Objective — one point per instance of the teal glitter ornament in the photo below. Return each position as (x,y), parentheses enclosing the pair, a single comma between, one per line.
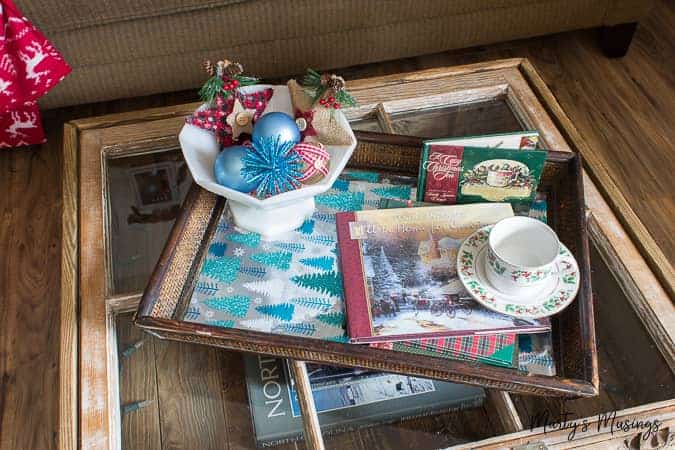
(273,166)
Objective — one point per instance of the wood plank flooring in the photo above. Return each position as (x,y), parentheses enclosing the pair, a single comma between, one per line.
(625,109)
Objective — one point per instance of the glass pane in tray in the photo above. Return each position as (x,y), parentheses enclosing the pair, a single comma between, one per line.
(144,194)
(366,124)
(468,119)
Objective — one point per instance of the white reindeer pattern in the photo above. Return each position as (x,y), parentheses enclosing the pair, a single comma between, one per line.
(7,65)
(4,85)
(32,61)
(20,124)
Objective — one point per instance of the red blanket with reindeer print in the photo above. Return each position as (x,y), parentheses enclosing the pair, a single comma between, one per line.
(29,67)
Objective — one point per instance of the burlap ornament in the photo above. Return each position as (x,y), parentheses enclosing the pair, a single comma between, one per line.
(321,123)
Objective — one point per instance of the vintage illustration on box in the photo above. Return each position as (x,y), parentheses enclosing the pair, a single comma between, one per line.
(500,175)
(512,176)
(408,261)
(441,163)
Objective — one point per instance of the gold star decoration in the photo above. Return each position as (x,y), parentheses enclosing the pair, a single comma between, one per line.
(240,119)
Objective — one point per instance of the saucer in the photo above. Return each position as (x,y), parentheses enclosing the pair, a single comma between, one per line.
(530,302)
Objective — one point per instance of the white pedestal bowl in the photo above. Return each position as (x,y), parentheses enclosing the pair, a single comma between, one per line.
(274,215)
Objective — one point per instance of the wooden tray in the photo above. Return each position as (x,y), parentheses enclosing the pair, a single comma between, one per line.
(170,288)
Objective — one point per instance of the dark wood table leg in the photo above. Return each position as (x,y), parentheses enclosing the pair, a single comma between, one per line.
(615,39)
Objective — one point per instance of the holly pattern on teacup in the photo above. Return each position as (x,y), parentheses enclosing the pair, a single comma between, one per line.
(570,278)
(529,276)
(478,238)
(510,308)
(495,264)
(555,301)
(484,293)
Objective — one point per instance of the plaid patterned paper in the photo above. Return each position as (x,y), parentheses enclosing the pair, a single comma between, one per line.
(497,350)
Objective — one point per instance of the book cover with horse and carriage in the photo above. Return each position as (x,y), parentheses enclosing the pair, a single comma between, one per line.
(400,274)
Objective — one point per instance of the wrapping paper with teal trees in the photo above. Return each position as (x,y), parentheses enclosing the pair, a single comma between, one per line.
(290,285)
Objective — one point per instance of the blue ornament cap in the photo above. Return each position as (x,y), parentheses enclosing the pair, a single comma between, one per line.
(273,166)
(276,124)
(228,169)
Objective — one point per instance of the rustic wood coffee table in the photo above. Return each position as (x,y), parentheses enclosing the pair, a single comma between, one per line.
(124,181)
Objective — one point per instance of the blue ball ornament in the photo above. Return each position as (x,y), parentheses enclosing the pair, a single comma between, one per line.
(275,124)
(227,169)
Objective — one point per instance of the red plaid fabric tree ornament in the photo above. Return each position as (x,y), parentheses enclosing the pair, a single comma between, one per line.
(256,100)
(212,119)
(219,93)
(248,107)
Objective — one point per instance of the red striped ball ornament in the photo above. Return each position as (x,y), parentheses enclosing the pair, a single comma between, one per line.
(316,161)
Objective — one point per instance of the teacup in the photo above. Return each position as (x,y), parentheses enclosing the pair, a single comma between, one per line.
(521,254)
(499,178)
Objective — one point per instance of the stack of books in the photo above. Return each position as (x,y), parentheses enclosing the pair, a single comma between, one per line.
(399,265)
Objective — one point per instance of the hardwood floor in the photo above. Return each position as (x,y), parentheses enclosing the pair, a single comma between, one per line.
(625,108)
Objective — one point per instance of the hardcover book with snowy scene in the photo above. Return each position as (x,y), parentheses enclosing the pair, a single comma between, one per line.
(400,279)
(498,349)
